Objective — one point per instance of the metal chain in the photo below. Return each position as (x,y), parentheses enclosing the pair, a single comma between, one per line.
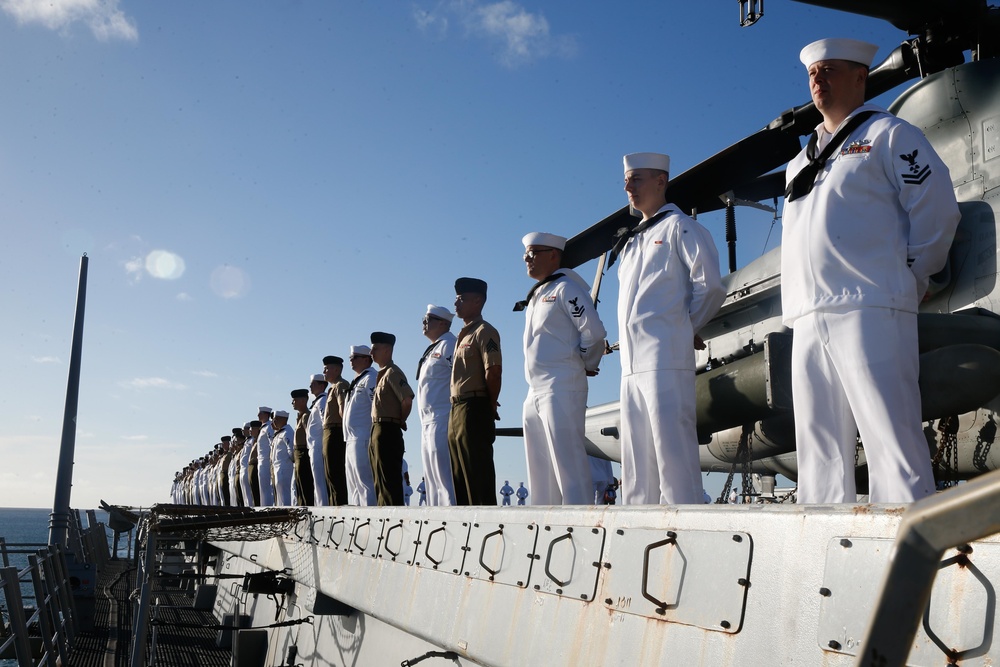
(743,458)
(984,442)
(946,457)
(746,440)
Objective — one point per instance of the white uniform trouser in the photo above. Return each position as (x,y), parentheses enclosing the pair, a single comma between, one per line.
(659,439)
(438,480)
(245,487)
(603,476)
(321,493)
(284,480)
(857,371)
(558,469)
(264,475)
(358,467)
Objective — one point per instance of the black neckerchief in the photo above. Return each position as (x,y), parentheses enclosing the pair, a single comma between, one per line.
(427,353)
(802,183)
(624,234)
(521,305)
(357,380)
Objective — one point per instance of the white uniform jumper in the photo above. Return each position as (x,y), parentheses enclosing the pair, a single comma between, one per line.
(357,434)
(669,288)
(265,475)
(563,339)
(282,466)
(857,253)
(434,406)
(314,441)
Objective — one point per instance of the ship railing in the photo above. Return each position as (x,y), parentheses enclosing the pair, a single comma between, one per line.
(51,623)
(931,526)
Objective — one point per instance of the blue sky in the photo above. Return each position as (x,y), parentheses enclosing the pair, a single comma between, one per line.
(259,184)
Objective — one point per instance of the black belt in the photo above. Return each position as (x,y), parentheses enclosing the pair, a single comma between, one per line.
(469,395)
(388,420)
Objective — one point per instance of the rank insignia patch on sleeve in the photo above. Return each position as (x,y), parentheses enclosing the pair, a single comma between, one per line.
(491,346)
(915,174)
(576,310)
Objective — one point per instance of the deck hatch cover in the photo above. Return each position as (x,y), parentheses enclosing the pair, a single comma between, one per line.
(854,569)
(501,552)
(399,540)
(692,577)
(442,545)
(567,561)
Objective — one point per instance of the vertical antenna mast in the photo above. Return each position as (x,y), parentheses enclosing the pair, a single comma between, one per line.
(59,519)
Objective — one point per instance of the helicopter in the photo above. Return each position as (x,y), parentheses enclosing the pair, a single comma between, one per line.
(743,381)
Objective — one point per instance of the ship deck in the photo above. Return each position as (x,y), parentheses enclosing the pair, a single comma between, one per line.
(185,636)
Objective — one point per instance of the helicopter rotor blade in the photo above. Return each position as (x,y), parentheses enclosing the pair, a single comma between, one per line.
(911,16)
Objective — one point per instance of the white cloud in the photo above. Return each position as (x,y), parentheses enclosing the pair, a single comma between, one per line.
(206,374)
(105,20)
(135,438)
(135,268)
(46,360)
(523,36)
(184,296)
(151,383)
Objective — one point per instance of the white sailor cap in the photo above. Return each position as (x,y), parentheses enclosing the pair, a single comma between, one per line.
(544,239)
(838,49)
(264,408)
(646,161)
(361,349)
(281,413)
(317,377)
(246,425)
(440,312)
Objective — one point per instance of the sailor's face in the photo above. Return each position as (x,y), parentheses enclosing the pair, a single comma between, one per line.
(317,387)
(332,372)
(541,261)
(836,83)
(299,404)
(644,185)
(359,362)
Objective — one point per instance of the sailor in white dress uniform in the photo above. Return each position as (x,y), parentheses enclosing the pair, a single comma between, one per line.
(282,460)
(866,223)
(669,288)
(434,405)
(358,428)
(563,344)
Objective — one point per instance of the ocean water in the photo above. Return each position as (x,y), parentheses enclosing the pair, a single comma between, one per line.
(20,526)
(29,526)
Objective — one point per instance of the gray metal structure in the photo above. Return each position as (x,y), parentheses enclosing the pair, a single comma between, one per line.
(692,585)
(59,519)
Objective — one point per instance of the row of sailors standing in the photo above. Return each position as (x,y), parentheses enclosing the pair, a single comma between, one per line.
(346,446)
